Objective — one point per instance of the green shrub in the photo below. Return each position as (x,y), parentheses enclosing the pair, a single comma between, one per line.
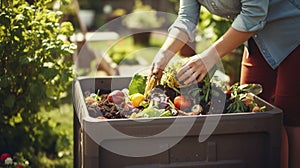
(123,55)
(35,72)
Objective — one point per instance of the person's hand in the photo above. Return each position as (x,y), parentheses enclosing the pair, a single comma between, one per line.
(195,69)
(159,63)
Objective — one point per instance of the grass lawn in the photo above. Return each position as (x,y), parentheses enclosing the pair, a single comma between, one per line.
(63,116)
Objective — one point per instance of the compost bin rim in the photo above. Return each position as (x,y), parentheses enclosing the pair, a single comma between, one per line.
(228,116)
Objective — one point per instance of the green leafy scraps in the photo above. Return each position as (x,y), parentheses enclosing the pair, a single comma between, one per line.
(137,84)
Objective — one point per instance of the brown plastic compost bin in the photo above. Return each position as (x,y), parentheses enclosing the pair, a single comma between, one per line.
(247,140)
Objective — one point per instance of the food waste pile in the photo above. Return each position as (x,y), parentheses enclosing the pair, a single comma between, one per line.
(145,98)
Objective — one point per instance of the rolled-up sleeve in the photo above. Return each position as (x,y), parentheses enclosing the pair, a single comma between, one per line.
(188,17)
(252,16)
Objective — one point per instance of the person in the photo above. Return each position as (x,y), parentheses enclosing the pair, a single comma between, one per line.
(269,30)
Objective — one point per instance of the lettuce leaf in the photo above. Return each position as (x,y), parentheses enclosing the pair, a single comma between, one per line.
(153,112)
(137,84)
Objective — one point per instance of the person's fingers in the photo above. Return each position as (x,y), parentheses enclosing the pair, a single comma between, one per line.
(184,75)
(183,71)
(192,72)
(154,69)
(188,69)
(192,78)
(158,72)
(159,76)
(201,77)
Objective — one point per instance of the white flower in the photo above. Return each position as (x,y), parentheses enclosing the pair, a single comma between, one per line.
(8,161)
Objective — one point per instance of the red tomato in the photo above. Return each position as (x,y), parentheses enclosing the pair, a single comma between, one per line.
(182,102)
(228,92)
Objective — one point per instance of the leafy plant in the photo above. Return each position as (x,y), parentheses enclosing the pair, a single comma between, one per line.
(8,161)
(212,26)
(36,71)
(241,101)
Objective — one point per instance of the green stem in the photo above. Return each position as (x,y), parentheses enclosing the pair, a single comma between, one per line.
(176,90)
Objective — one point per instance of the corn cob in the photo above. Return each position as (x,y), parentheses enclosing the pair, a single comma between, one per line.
(150,85)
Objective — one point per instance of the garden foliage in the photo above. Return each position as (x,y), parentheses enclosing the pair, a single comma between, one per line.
(35,72)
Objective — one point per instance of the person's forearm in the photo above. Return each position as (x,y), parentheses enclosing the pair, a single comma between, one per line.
(174,42)
(231,40)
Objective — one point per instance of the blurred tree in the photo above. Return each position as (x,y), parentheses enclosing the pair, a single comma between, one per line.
(35,71)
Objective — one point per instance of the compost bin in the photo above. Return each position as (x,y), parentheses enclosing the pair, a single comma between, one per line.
(246,139)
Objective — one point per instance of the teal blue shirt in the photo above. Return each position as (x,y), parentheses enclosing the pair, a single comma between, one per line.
(276,22)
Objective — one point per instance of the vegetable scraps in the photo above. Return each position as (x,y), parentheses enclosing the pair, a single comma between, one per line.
(170,98)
